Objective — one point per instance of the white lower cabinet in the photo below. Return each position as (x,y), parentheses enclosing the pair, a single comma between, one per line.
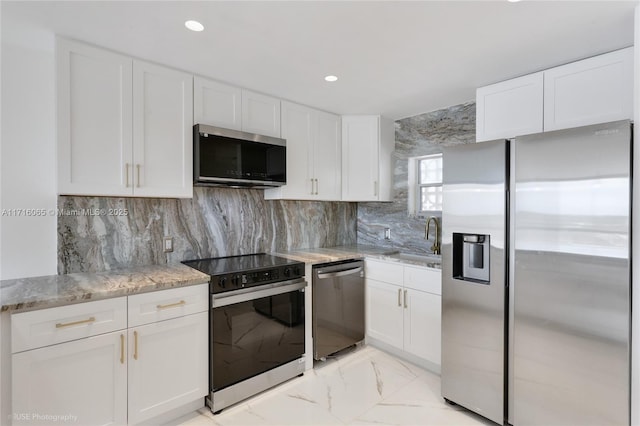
(384,312)
(422,324)
(167,365)
(403,308)
(81,382)
(110,375)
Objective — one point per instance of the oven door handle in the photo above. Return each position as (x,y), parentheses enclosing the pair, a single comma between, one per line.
(251,294)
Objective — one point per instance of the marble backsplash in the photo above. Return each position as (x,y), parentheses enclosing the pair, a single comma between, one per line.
(103,233)
(419,135)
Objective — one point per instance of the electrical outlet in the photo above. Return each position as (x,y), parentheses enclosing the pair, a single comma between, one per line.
(168,244)
(387,233)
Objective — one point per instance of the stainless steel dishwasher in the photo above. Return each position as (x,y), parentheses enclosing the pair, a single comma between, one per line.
(338,306)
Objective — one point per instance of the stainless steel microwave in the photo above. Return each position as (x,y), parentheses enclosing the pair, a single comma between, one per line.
(225,157)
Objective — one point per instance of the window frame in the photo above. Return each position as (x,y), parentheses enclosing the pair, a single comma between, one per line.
(416,185)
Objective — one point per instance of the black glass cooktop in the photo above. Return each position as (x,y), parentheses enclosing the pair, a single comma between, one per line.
(239,264)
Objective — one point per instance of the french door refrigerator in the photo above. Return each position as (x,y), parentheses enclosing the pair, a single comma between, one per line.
(536,273)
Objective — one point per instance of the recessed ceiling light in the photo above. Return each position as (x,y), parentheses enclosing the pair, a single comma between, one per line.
(194,25)
(331,78)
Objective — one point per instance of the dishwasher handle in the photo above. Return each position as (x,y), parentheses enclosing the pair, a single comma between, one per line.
(323,275)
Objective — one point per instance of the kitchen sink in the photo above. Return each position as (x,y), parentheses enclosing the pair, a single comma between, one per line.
(417,259)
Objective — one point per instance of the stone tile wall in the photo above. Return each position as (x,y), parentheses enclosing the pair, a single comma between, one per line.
(422,134)
(95,234)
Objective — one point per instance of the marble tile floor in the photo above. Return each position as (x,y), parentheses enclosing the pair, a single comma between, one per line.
(363,387)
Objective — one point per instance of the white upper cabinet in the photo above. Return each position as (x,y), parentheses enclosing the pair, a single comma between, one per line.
(591,91)
(595,90)
(509,108)
(327,153)
(367,144)
(313,154)
(95,127)
(124,126)
(296,129)
(217,104)
(260,114)
(163,136)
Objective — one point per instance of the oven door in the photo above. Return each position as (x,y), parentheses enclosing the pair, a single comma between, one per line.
(254,331)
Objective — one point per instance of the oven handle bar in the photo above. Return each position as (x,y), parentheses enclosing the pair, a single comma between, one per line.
(218,301)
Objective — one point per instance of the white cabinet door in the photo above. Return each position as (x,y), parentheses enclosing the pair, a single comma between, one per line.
(216,104)
(84,379)
(384,312)
(296,129)
(360,135)
(162,137)
(595,90)
(509,108)
(327,153)
(313,154)
(422,324)
(94,120)
(260,114)
(168,365)
(367,145)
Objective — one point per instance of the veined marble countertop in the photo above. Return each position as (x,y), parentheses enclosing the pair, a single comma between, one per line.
(336,254)
(56,290)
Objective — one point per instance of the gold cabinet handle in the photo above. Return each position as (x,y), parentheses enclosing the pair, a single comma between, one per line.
(135,345)
(400,297)
(69,324)
(138,180)
(122,349)
(375,188)
(126,172)
(405,299)
(311,185)
(316,186)
(171,305)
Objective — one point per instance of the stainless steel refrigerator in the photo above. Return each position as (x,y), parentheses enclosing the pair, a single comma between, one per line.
(536,273)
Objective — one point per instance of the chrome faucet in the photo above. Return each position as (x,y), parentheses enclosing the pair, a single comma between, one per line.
(435,248)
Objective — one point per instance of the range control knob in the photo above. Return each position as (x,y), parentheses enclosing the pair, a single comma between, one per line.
(222,282)
(287,272)
(296,270)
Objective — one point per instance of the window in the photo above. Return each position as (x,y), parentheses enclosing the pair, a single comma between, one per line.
(425,184)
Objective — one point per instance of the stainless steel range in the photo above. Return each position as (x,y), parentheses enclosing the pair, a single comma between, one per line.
(256,324)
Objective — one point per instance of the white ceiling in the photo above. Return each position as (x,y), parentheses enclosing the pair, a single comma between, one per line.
(392,57)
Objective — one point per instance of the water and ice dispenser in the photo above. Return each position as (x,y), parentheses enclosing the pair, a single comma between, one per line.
(471,257)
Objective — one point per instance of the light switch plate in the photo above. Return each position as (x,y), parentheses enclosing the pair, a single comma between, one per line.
(168,244)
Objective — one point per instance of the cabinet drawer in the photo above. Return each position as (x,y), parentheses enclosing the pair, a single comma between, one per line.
(46,327)
(166,304)
(383,271)
(423,279)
